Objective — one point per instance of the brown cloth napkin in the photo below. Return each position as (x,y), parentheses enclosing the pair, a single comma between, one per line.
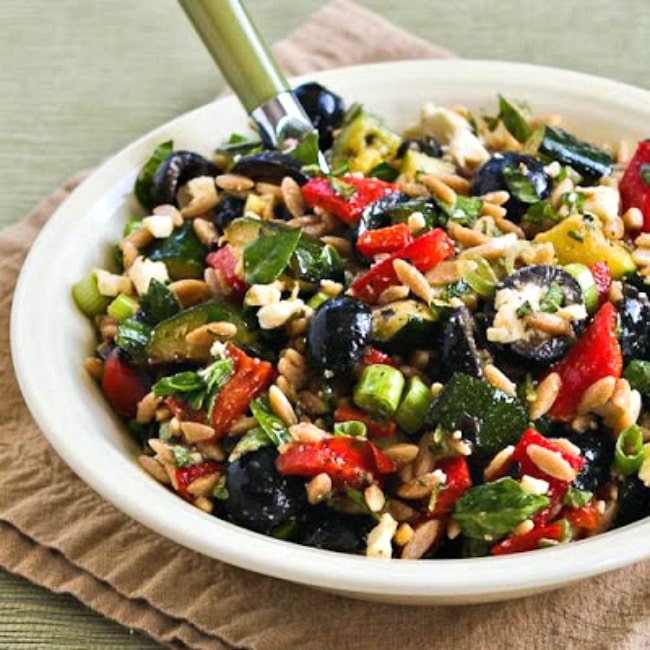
(58,533)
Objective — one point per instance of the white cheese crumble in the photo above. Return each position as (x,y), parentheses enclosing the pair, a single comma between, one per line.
(159,225)
(601,201)
(507,326)
(534,485)
(143,271)
(278,313)
(111,285)
(379,539)
(454,133)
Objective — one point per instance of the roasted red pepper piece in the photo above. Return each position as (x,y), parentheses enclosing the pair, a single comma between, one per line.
(124,385)
(458,481)
(634,189)
(251,377)
(349,462)
(224,262)
(384,240)
(556,531)
(187,475)
(321,192)
(597,354)
(375,429)
(584,518)
(373,356)
(603,279)
(424,253)
(184,412)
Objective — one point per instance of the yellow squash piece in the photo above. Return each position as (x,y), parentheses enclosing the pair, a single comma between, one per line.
(581,239)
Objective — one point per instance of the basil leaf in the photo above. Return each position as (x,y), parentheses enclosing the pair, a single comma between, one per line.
(492,510)
(216,374)
(513,119)
(266,257)
(307,150)
(383,171)
(159,303)
(314,261)
(181,382)
(251,441)
(520,185)
(132,336)
(465,211)
(271,424)
(144,183)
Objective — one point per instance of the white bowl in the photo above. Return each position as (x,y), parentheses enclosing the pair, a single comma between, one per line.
(50,338)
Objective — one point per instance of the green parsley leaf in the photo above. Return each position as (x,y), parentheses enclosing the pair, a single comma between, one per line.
(524,310)
(553,299)
(159,303)
(307,150)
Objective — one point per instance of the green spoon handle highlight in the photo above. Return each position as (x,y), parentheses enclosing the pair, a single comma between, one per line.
(238,49)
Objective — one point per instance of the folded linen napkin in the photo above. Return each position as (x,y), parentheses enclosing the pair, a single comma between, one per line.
(85,547)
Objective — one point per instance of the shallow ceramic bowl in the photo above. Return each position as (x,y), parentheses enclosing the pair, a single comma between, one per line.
(50,339)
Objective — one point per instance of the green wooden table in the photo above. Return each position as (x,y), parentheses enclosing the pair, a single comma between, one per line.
(79,80)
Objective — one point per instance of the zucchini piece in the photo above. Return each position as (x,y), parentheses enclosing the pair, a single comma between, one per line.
(489,418)
(589,161)
(167,342)
(404,325)
(363,144)
(182,252)
(585,279)
(416,162)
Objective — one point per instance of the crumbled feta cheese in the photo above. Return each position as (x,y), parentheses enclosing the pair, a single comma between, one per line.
(111,285)
(553,169)
(278,313)
(160,226)
(507,326)
(601,201)
(263,294)
(143,270)
(454,133)
(380,537)
(534,485)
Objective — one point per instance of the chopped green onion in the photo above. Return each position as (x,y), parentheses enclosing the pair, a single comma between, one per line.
(352,429)
(583,276)
(317,300)
(628,453)
(87,297)
(482,278)
(379,390)
(415,404)
(122,307)
(637,372)
(575,498)
(134,223)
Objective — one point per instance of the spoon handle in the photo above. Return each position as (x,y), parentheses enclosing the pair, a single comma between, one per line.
(238,49)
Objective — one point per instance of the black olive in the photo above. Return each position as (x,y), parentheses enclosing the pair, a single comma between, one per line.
(324,108)
(176,170)
(540,348)
(634,311)
(458,349)
(338,334)
(334,531)
(426,145)
(598,450)
(270,167)
(259,497)
(228,209)
(633,501)
(490,178)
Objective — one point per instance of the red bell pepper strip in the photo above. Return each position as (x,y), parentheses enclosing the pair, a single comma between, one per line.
(251,377)
(184,412)
(349,462)
(224,261)
(458,481)
(603,279)
(375,429)
(373,356)
(186,475)
(424,253)
(634,187)
(597,354)
(346,197)
(557,532)
(384,240)
(583,518)
(124,385)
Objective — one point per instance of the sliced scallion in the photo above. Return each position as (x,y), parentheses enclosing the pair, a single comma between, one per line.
(352,429)
(87,297)
(481,277)
(122,307)
(413,409)
(379,390)
(628,452)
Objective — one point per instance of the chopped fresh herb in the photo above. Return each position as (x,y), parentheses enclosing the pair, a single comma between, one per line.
(144,182)
(552,301)
(314,261)
(514,120)
(165,431)
(384,172)
(455,290)
(353,428)
(133,224)
(343,189)
(220,491)
(492,510)
(644,173)
(356,496)
(251,441)
(266,257)
(520,185)
(637,372)
(465,211)
(527,391)
(575,201)
(181,382)
(540,213)
(270,423)
(286,530)
(578,236)
(132,336)
(159,303)
(182,456)
(307,151)
(575,498)
(524,310)
(236,138)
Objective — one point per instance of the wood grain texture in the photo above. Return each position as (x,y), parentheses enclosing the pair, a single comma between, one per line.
(79,80)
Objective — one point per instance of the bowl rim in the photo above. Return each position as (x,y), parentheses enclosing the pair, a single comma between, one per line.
(461,578)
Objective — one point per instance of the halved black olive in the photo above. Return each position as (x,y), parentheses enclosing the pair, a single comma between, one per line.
(259,497)
(598,450)
(334,531)
(324,108)
(176,170)
(634,311)
(426,145)
(338,334)
(228,209)
(270,167)
(633,501)
(538,346)
(458,349)
(490,178)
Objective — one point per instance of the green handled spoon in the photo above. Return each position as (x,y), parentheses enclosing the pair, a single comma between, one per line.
(249,68)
